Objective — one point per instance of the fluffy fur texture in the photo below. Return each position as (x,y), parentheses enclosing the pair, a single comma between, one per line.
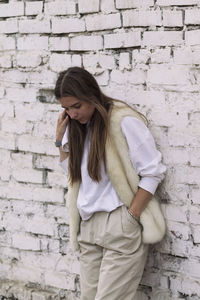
(124,179)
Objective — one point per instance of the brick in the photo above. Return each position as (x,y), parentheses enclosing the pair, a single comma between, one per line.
(179,230)
(28,175)
(76,60)
(21,94)
(45,162)
(9,26)
(83,6)
(67,7)
(187,175)
(84,43)
(61,280)
(122,40)
(185,56)
(33,42)
(192,16)
(36,144)
(140,56)
(2,92)
(172,18)
(34,26)
(31,193)
(12,9)
(60,212)
(24,274)
(59,61)
(175,213)
(7,43)
(33,8)
(7,141)
(6,109)
(121,4)
(32,112)
(5,60)
(124,61)
(58,43)
(93,60)
(102,22)
(28,60)
(142,18)
(136,76)
(159,56)
(176,2)
(12,125)
(108,6)
(167,75)
(25,242)
(68,25)
(192,37)
(103,78)
(162,38)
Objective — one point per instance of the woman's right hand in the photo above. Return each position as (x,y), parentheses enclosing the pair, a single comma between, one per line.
(61,126)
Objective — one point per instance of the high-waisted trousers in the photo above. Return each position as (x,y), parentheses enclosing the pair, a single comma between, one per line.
(112,256)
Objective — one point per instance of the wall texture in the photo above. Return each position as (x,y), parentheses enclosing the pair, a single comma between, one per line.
(145,52)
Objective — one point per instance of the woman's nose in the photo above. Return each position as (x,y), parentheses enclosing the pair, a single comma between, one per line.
(72,114)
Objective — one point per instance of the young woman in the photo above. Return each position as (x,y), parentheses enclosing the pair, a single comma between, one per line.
(113,170)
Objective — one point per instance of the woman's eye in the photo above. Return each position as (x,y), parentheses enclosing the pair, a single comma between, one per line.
(77,106)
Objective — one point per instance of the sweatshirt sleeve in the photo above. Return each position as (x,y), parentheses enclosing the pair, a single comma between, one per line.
(146,159)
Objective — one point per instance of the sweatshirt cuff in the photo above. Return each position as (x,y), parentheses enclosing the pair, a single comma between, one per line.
(149,184)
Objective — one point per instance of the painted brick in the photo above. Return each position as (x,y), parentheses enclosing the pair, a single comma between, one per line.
(93,60)
(28,60)
(176,2)
(7,43)
(84,43)
(36,144)
(140,56)
(28,175)
(33,42)
(68,25)
(20,95)
(33,8)
(5,61)
(162,38)
(12,9)
(192,37)
(83,6)
(34,26)
(7,141)
(59,61)
(159,56)
(13,125)
(108,6)
(9,26)
(141,18)
(67,7)
(172,18)
(167,75)
(134,77)
(101,22)
(77,60)
(186,56)
(121,4)
(61,280)
(192,16)
(122,40)
(58,43)
(124,61)
(22,241)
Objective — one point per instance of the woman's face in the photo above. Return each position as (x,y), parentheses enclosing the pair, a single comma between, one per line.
(78,110)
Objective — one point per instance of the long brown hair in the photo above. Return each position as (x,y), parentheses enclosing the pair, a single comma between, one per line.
(79,83)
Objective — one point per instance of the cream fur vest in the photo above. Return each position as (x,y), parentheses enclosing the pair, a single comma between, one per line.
(124,179)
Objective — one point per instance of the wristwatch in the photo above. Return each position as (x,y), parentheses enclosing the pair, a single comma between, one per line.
(58,143)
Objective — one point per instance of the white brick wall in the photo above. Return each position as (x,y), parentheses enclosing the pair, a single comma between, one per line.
(144,52)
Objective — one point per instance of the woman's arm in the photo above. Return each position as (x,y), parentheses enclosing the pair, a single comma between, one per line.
(139,202)
(60,131)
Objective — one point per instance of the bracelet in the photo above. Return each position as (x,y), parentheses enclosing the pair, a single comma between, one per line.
(134,217)
(58,143)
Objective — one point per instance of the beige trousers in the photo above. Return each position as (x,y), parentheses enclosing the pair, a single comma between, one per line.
(112,256)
